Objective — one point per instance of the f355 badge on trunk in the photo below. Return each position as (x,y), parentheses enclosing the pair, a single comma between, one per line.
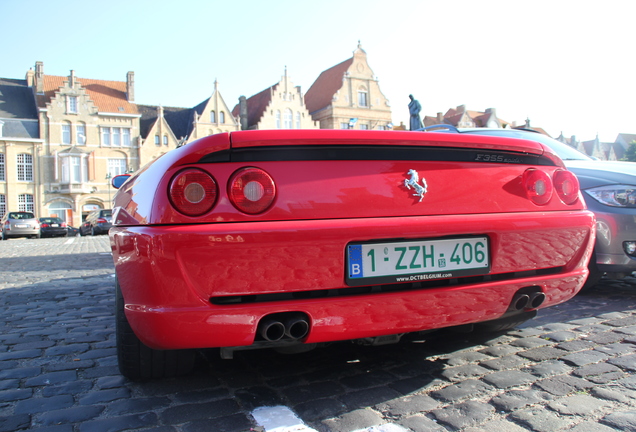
(413,182)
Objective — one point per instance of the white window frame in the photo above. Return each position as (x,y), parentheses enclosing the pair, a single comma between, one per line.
(106,141)
(3,205)
(25,167)
(277,119)
(222,117)
(73,104)
(2,167)
(80,133)
(363,98)
(125,137)
(297,120)
(165,140)
(74,168)
(116,167)
(26,203)
(66,133)
(157,140)
(212,117)
(288,119)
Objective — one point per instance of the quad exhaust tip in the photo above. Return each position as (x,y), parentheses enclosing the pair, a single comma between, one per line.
(290,326)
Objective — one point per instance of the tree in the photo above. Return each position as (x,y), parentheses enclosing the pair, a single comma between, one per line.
(630,154)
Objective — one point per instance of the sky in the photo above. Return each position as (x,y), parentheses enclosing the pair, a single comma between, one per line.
(562,64)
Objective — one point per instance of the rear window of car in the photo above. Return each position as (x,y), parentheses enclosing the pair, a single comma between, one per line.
(51,220)
(21,215)
(107,213)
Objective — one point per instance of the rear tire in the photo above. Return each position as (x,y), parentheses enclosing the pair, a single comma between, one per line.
(139,362)
(595,275)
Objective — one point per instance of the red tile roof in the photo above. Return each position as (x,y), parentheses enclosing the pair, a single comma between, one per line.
(321,92)
(108,96)
(256,105)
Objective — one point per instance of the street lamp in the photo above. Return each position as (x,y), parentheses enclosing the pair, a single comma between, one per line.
(108,177)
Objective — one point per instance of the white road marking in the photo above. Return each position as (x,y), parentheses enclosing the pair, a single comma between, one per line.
(69,241)
(279,419)
(282,419)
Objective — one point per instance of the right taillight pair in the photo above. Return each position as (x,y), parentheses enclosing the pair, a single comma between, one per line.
(194,192)
(539,186)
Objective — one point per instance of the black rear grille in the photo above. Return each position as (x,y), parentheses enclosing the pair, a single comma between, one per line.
(379,289)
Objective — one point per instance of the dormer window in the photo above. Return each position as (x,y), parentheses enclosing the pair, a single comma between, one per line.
(363,100)
(72,105)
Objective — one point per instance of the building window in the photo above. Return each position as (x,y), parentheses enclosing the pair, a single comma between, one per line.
(364,126)
(116,134)
(165,140)
(277,119)
(72,104)
(157,140)
(66,133)
(125,137)
(116,137)
(2,169)
(74,169)
(80,131)
(344,125)
(25,203)
(212,117)
(362,98)
(288,119)
(222,117)
(25,167)
(297,120)
(3,205)
(116,167)
(106,136)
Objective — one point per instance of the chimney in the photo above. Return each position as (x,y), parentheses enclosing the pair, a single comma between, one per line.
(130,86)
(30,77)
(243,112)
(39,77)
(71,79)
(440,117)
(461,108)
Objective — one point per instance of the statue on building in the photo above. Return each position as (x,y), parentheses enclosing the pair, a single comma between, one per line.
(414,110)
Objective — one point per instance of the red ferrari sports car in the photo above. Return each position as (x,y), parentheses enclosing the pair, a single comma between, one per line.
(288,239)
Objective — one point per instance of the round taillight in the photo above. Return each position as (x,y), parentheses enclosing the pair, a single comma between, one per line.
(193,192)
(567,186)
(251,190)
(538,186)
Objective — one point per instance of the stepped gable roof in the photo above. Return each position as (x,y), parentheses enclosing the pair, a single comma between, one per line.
(108,96)
(16,100)
(256,105)
(321,92)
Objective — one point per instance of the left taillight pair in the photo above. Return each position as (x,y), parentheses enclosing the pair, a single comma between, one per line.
(194,192)
(540,186)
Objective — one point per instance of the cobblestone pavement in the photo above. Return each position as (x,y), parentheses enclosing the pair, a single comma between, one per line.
(570,369)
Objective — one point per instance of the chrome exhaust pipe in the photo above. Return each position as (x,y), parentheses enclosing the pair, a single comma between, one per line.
(296,327)
(520,301)
(271,330)
(536,300)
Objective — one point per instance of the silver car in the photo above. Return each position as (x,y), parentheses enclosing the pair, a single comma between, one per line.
(20,224)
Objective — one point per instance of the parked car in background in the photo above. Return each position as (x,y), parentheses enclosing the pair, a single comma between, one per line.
(97,222)
(52,227)
(72,231)
(609,189)
(20,224)
(288,239)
